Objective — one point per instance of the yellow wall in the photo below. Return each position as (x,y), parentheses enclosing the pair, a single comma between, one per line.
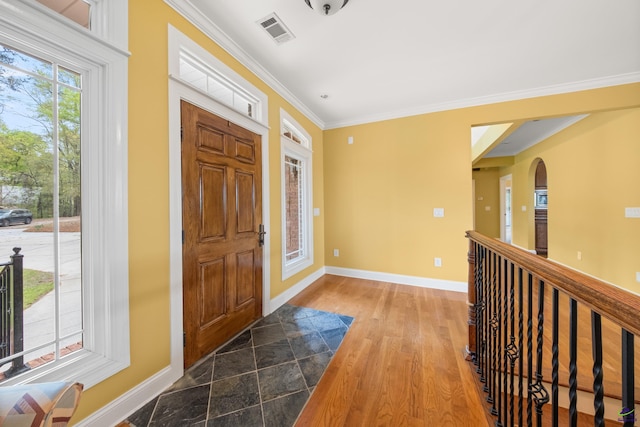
(149,194)
(376,196)
(592,175)
(380,192)
(487,183)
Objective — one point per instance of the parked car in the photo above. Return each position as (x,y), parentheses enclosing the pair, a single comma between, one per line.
(15,216)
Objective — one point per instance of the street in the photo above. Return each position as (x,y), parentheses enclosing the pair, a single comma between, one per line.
(39,322)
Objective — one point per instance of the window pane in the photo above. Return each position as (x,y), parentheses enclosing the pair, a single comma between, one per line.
(242,104)
(217,85)
(295,136)
(24,62)
(294,206)
(78,11)
(69,210)
(40,181)
(220,91)
(69,77)
(193,75)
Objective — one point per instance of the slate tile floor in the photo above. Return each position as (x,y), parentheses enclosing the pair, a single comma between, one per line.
(263,377)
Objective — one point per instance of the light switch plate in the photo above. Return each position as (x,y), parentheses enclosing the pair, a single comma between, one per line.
(316,211)
(437,262)
(438,212)
(632,212)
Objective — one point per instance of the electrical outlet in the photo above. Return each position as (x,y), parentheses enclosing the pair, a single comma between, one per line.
(524,208)
(638,276)
(438,212)
(336,252)
(437,262)
(579,256)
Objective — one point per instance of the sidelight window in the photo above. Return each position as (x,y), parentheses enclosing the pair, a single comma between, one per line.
(297,198)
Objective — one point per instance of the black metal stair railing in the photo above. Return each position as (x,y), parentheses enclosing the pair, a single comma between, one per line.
(11,316)
(515,332)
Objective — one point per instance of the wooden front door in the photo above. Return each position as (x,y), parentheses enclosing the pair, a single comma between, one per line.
(221,214)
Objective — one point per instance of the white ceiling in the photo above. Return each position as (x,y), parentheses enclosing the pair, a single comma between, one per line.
(530,133)
(380,59)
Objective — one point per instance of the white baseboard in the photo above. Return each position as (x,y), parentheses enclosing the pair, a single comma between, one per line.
(278,301)
(422,282)
(134,399)
(119,409)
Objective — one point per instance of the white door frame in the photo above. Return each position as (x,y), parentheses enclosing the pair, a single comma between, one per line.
(179,91)
(473,202)
(503,208)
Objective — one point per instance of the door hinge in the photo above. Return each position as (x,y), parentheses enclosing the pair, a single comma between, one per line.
(181,133)
(184,339)
(183,237)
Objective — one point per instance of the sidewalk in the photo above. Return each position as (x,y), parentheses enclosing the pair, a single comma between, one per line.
(39,324)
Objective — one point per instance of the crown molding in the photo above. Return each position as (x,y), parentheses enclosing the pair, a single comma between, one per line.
(598,83)
(204,24)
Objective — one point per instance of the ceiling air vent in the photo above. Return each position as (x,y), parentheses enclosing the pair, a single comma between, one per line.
(273,25)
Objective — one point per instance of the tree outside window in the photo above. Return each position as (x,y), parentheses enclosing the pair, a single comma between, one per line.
(40,170)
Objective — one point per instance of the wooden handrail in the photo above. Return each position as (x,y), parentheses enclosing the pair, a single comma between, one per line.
(617,304)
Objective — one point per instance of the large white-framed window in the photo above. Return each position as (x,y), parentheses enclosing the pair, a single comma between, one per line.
(297,196)
(80,78)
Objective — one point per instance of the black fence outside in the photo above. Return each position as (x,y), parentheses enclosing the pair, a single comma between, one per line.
(11,315)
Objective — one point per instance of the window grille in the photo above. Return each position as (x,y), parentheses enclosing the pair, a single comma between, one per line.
(216,85)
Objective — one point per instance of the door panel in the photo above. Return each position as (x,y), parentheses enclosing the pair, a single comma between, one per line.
(213,194)
(212,275)
(222,209)
(245,151)
(210,139)
(245,285)
(245,190)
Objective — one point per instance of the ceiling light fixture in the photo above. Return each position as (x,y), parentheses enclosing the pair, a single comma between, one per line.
(326,7)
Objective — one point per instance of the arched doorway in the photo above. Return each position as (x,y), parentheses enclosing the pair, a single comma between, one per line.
(540,206)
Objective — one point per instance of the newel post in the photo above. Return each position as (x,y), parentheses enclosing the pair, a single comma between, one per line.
(471,300)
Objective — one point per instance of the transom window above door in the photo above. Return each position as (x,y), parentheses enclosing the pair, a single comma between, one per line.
(191,64)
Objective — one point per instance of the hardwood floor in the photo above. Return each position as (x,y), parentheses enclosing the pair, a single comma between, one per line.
(402,362)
